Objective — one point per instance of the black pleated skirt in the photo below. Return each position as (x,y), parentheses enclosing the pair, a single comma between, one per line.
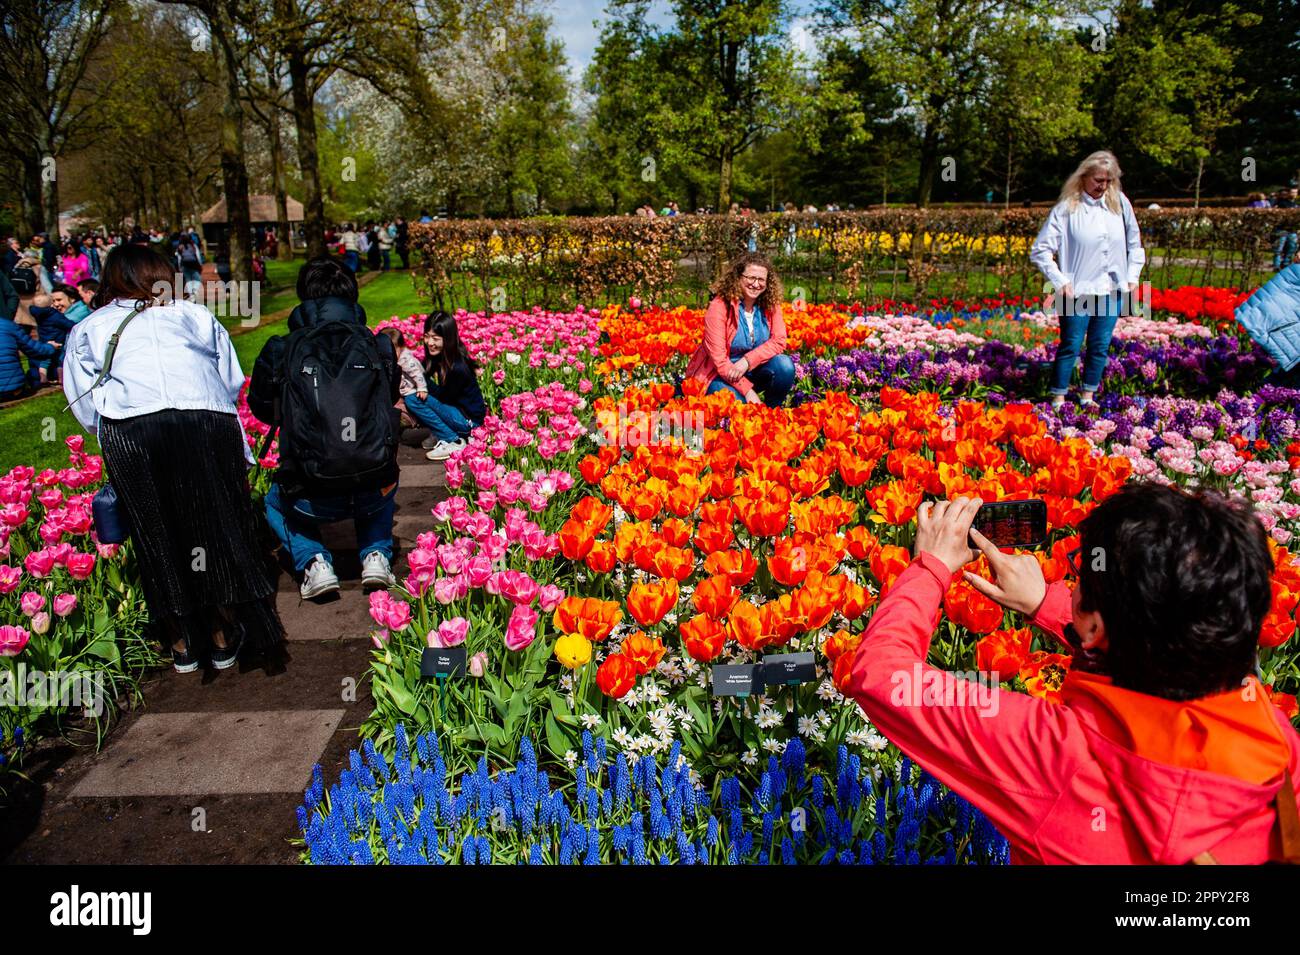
(182,479)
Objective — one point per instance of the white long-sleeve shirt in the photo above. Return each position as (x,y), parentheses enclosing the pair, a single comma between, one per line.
(1090,248)
(174,356)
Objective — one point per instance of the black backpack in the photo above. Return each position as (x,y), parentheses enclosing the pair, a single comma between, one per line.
(23,279)
(338,427)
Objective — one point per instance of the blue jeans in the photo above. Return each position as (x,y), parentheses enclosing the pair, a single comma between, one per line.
(1284,246)
(445,422)
(773,380)
(351,261)
(387,257)
(297,522)
(1099,328)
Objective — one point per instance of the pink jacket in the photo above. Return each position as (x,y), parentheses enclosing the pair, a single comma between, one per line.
(1077,781)
(720,323)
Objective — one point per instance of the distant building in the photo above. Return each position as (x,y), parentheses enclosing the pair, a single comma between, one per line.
(261,212)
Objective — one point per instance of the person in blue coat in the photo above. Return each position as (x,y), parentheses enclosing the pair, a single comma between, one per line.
(1272,318)
(14,339)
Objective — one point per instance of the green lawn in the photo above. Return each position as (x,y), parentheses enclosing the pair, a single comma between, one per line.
(32,431)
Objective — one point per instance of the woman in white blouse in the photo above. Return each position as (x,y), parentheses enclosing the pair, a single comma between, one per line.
(165,410)
(1090,250)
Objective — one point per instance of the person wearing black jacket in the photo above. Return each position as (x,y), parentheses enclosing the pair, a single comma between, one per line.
(454,404)
(402,242)
(329,294)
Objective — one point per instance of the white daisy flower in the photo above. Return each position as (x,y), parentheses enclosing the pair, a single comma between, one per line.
(622,738)
(774,746)
(807,725)
(590,720)
(826,690)
(571,758)
(750,758)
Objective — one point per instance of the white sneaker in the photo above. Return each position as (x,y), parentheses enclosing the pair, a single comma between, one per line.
(376,571)
(319,578)
(445,449)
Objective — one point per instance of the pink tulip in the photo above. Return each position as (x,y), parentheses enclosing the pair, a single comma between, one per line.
(518,587)
(12,640)
(549,597)
(50,497)
(75,442)
(39,563)
(10,577)
(107,550)
(14,514)
(64,604)
(81,566)
(379,638)
(398,615)
(31,602)
(477,570)
(450,633)
(478,664)
(422,560)
(379,601)
(40,622)
(522,628)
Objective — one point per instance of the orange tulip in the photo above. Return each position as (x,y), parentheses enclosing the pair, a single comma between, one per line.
(591,617)
(711,538)
(644,652)
(896,501)
(839,642)
(788,563)
(967,607)
(674,562)
(856,601)
(887,563)
(714,597)
(649,603)
(676,532)
(1044,673)
(616,676)
(703,638)
(602,557)
(576,539)
(1004,651)
(861,542)
(738,566)
(744,626)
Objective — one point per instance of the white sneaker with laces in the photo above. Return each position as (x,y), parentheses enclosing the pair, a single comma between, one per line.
(445,449)
(376,571)
(318,578)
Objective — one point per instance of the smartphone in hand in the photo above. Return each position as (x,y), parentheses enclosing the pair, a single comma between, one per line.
(1013,523)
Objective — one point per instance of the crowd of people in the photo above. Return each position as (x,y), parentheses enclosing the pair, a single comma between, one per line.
(371,246)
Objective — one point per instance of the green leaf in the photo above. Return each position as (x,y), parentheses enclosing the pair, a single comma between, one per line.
(556,739)
(105,647)
(402,698)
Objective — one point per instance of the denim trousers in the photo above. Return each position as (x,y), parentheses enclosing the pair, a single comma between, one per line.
(445,422)
(773,380)
(1095,318)
(297,522)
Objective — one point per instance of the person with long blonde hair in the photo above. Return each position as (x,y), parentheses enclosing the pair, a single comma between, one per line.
(744,335)
(1090,250)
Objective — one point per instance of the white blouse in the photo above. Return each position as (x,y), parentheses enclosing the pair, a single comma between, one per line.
(1091,248)
(170,356)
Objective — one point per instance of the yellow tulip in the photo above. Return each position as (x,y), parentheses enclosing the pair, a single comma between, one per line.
(573,650)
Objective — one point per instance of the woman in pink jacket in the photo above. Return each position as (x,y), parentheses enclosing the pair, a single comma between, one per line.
(76,265)
(1165,747)
(744,336)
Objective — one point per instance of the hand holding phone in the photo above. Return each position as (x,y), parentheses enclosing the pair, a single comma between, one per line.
(1018,582)
(1013,523)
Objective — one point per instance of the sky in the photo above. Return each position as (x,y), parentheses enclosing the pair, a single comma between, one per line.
(577,24)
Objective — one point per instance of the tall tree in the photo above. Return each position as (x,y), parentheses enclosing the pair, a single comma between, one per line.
(46,48)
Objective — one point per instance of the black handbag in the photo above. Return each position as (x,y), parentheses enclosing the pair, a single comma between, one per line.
(111,523)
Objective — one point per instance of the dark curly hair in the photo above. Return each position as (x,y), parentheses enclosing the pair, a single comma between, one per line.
(730,288)
(1182,582)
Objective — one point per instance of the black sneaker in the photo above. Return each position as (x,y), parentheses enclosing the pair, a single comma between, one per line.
(429,443)
(223,658)
(184,661)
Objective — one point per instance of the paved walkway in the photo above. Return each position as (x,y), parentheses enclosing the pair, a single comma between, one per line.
(212,766)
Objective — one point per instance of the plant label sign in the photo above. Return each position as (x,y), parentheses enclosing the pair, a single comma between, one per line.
(442,661)
(788,669)
(737,679)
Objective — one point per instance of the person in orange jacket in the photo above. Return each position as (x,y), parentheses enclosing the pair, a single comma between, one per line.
(1164,748)
(744,336)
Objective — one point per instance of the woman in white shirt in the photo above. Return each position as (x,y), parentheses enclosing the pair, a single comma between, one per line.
(174,451)
(1090,250)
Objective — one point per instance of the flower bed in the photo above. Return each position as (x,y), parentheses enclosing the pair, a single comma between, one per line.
(72,639)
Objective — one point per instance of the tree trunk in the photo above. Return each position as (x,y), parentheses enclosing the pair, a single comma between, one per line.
(929,160)
(724,179)
(1006,191)
(33,215)
(1200,171)
(234,173)
(304,118)
(284,247)
(49,186)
